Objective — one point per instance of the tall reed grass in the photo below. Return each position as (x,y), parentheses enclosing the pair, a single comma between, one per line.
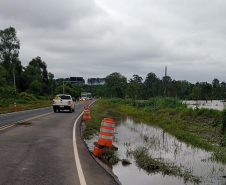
(201,128)
(155,103)
(97,114)
(150,164)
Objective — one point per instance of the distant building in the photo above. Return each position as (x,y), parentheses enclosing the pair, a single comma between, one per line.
(73,80)
(77,80)
(96,81)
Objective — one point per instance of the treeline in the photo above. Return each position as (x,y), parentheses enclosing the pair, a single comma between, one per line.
(33,82)
(36,80)
(15,78)
(152,86)
(30,83)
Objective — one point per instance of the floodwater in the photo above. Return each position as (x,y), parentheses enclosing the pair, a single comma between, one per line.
(132,134)
(214,104)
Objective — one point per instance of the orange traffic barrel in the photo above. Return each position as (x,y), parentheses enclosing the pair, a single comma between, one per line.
(97,151)
(86,114)
(106,132)
(15,108)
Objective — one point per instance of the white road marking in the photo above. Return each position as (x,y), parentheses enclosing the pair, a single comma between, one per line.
(77,160)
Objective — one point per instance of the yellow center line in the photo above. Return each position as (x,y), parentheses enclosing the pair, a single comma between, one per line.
(24,120)
(6,126)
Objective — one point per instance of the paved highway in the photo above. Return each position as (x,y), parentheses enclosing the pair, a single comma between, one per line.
(9,118)
(45,148)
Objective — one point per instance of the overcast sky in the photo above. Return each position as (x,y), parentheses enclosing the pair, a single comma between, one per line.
(94,38)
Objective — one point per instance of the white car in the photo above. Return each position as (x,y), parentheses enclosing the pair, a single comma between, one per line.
(62,102)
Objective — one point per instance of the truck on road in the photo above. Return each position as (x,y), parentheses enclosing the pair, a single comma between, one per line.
(84,96)
(89,96)
(62,102)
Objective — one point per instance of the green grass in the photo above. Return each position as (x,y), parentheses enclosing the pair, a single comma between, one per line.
(201,128)
(109,157)
(97,115)
(25,105)
(152,165)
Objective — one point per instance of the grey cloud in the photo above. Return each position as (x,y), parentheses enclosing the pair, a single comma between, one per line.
(95,38)
(47,14)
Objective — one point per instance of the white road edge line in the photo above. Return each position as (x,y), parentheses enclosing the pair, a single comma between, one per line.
(77,160)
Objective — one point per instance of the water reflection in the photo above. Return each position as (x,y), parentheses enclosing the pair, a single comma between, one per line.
(132,134)
(214,104)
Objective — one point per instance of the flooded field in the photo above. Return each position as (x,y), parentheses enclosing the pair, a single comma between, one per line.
(131,135)
(214,104)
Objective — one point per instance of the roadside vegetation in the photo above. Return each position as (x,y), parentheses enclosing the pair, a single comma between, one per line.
(97,115)
(24,101)
(33,86)
(202,128)
(158,165)
(35,79)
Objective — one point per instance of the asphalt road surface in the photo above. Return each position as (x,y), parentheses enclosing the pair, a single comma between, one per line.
(45,148)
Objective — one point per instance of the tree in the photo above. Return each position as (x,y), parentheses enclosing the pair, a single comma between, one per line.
(137,79)
(29,75)
(3,74)
(52,82)
(132,90)
(9,53)
(206,90)
(196,93)
(115,84)
(134,87)
(144,92)
(154,84)
(67,90)
(35,88)
(218,92)
(223,85)
(37,62)
(9,46)
(167,83)
(76,91)
(215,82)
(182,89)
(151,78)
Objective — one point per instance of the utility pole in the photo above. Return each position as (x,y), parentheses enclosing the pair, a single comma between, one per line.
(63,85)
(14,81)
(165,81)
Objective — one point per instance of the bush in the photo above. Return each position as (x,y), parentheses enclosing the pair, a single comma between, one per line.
(223,141)
(217,120)
(28,97)
(6,102)
(8,92)
(23,101)
(35,87)
(41,97)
